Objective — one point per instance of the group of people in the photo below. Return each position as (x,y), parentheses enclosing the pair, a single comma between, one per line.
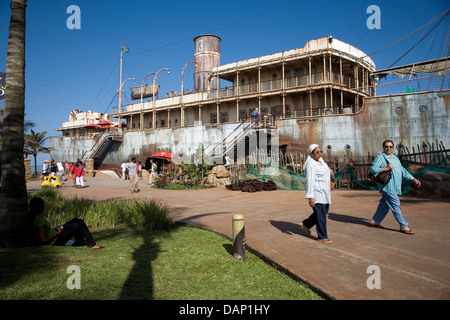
(53,168)
(71,170)
(132,170)
(77,171)
(318,190)
(125,167)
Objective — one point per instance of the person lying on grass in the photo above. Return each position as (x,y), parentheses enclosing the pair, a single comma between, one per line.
(59,235)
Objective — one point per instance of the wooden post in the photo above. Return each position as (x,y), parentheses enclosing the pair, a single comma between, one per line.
(238,237)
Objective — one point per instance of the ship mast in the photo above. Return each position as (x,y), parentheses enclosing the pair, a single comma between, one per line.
(120,88)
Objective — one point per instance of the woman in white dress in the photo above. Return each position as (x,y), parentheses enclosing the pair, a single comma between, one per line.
(318,192)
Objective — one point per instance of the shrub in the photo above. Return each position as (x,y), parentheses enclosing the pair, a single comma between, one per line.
(134,213)
(162,181)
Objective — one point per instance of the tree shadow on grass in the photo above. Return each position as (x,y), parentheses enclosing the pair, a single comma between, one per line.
(139,284)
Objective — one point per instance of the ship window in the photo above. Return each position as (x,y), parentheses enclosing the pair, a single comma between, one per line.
(223,117)
(242,115)
(423,108)
(399,109)
(277,111)
(287,74)
(213,117)
(298,72)
(163,123)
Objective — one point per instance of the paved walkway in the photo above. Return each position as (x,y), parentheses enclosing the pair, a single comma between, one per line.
(411,267)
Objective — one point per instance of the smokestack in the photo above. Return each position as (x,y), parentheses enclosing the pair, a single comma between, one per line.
(207,57)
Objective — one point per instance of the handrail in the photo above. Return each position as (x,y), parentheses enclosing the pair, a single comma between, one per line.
(97,144)
(241,124)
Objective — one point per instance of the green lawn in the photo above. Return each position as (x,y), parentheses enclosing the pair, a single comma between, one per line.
(178,263)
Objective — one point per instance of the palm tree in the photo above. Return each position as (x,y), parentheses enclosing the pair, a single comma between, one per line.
(34,144)
(15,226)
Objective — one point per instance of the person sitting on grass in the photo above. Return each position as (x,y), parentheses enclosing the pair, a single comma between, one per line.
(59,235)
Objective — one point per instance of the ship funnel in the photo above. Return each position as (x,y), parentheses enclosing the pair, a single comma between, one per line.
(206,57)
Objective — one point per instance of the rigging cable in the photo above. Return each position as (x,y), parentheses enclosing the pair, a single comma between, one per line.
(114,97)
(421,39)
(446,13)
(92,103)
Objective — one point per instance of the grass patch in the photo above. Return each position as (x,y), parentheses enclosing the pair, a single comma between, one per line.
(179,186)
(146,257)
(179,263)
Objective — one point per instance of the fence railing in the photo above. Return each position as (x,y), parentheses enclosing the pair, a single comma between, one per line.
(429,154)
(421,156)
(291,82)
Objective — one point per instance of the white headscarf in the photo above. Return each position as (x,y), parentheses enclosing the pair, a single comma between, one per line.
(309,159)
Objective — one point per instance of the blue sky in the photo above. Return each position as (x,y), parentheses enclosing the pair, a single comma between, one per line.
(79,69)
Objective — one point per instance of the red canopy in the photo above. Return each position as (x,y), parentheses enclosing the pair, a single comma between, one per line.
(104,122)
(91,125)
(163,154)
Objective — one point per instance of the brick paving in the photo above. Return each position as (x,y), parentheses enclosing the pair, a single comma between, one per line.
(411,267)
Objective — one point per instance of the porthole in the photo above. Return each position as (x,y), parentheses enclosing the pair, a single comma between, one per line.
(423,108)
(399,109)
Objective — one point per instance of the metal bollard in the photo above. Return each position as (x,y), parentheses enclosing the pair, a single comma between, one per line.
(238,237)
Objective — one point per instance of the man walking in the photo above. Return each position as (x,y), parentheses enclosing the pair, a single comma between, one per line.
(123,166)
(133,171)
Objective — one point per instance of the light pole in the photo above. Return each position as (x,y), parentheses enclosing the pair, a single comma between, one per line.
(142,105)
(182,92)
(153,102)
(120,101)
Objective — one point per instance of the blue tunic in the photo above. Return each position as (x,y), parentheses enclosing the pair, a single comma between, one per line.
(394,186)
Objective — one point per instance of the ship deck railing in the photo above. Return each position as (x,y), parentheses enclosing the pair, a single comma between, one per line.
(305,82)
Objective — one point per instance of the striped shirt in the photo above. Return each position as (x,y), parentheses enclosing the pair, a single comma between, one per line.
(318,181)
(398,173)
